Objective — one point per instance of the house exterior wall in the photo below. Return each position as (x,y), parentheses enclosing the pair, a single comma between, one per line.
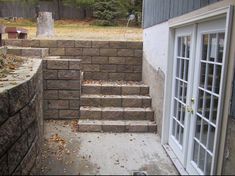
(155,56)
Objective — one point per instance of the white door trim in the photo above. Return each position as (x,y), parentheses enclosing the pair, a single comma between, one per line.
(212,14)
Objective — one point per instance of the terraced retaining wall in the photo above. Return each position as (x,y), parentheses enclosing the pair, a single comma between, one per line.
(106,60)
(21,119)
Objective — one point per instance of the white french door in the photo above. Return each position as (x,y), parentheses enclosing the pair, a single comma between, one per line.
(196,95)
(181,91)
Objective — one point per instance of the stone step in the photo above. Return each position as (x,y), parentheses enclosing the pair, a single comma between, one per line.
(141,126)
(115,100)
(27,52)
(116,113)
(115,89)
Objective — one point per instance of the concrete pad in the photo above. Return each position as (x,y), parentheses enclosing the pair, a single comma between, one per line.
(66,151)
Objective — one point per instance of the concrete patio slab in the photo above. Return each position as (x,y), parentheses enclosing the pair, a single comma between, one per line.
(67,152)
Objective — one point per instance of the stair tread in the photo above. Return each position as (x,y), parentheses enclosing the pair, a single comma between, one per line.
(91,108)
(116,122)
(111,82)
(114,85)
(113,96)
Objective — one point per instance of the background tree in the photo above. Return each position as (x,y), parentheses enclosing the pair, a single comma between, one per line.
(83,4)
(132,7)
(106,11)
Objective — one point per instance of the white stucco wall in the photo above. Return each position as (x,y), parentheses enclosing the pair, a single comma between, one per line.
(155,48)
(155,45)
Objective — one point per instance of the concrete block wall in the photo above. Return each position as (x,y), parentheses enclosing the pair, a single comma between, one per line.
(106,60)
(62,85)
(21,120)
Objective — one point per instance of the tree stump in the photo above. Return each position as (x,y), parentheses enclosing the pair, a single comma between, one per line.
(45,25)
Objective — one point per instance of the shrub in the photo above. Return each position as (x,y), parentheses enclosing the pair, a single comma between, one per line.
(106,11)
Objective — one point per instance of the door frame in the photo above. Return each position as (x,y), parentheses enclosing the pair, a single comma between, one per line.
(211,12)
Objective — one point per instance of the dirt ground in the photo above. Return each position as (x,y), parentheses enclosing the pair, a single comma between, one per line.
(80,30)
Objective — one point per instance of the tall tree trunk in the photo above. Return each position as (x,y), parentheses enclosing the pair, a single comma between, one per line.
(84,12)
(59,8)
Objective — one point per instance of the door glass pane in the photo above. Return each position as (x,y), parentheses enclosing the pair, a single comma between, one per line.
(203,75)
(181,135)
(173,127)
(185,93)
(183,115)
(204,133)
(204,47)
(186,69)
(210,75)
(213,47)
(177,131)
(175,108)
(211,138)
(217,78)
(214,109)
(198,127)
(179,114)
(200,101)
(182,69)
(208,164)
(184,46)
(179,49)
(220,48)
(195,151)
(178,68)
(207,105)
(188,47)
(201,160)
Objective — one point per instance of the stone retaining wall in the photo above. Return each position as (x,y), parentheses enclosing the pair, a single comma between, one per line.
(61,88)
(21,119)
(106,60)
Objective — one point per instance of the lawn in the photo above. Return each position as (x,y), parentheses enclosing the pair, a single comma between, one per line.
(81,30)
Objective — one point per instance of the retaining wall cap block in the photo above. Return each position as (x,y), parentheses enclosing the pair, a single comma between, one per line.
(82,44)
(57,51)
(100,44)
(66,43)
(48,43)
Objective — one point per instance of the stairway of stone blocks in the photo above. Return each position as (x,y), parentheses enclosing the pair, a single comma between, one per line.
(106,106)
(116,107)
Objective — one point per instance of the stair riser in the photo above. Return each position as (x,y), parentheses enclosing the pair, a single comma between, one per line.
(115,90)
(117,115)
(116,102)
(118,128)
